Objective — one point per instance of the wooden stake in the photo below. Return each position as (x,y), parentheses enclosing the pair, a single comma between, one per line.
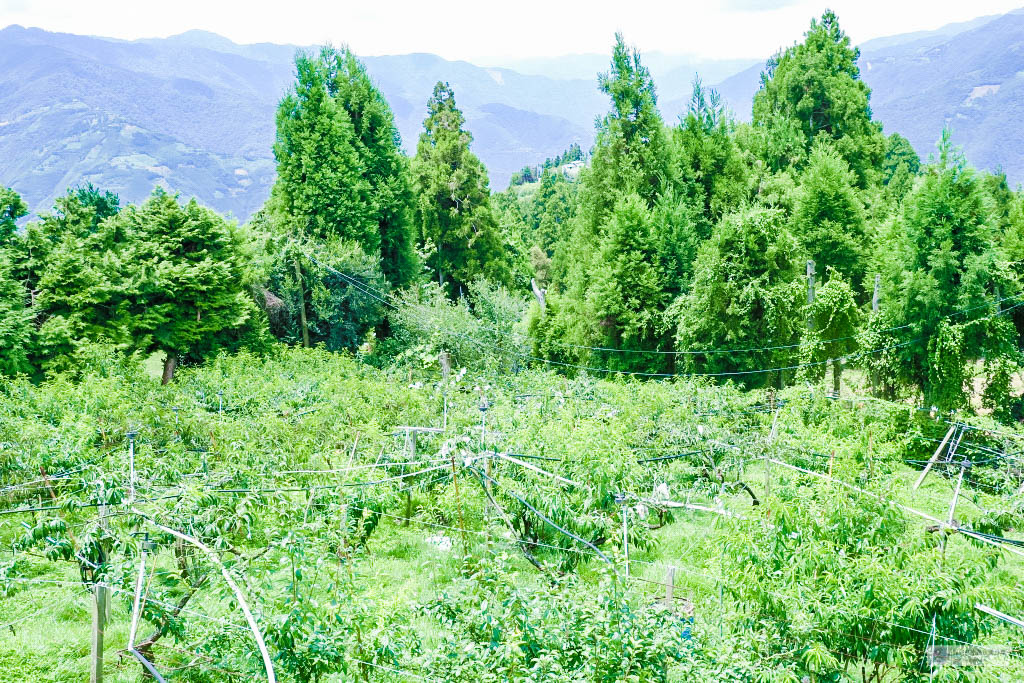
(625,535)
(458,499)
(956,492)
(670,581)
(137,605)
(935,457)
(831,459)
(487,481)
(131,467)
(411,436)
(810,293)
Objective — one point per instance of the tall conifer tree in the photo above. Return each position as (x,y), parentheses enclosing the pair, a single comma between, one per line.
(454,208)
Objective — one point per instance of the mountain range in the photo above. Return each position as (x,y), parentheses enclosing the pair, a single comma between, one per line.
(195,112)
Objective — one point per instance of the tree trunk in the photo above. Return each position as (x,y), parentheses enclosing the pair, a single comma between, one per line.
(302,305)
(837,376)
(170,364)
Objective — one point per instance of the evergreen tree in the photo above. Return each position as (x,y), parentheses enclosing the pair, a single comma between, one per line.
(814,89)
(944,281)
(15,322)
(551,210)
(385,168)
(11,209)
(899,152)
(747,294)
(321,188)
(69,262)
(631,153)
(183,277)
(628,295)
(710,163)
(454,210)
(828,218)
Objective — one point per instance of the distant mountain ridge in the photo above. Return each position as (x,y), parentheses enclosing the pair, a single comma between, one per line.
(195,112)
(969,76)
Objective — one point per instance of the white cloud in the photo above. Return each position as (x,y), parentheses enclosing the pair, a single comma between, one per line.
(465,29)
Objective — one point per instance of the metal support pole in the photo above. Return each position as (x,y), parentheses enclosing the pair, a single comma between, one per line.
(131,467)
(621,499)
(810,293)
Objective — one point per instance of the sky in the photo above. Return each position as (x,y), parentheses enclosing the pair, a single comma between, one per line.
(481,30)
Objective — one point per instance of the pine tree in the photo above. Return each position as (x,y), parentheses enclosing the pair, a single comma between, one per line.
(454,208)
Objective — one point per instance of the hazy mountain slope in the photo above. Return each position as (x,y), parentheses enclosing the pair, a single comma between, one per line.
(195,113)
(78,109)
(969,76)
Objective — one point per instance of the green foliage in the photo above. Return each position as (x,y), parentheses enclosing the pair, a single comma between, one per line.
(454,211)
(11,209)
(628,293)
(341,288)
(321,189)
(531,174)
(282,464)
(946,276)
(385,168)
(157,277)
(835,322)
(883,594)
(183,275)
(747,293)
(479,330)
(631,153)
(498,631)
(899,152)
(814,89)
(15,322)
(828,218)
(709,158)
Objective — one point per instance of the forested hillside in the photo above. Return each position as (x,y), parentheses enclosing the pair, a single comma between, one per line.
(708,400)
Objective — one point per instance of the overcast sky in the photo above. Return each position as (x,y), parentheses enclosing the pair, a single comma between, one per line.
(475,29)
